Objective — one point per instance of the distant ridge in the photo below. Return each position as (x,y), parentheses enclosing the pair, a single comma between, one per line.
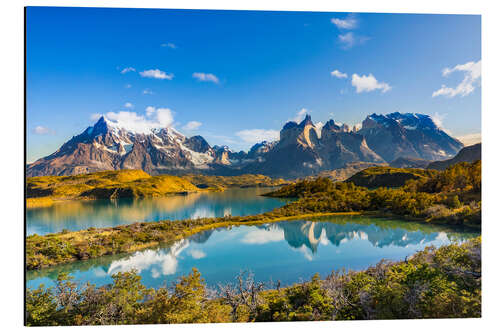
(408,162)
(467,154)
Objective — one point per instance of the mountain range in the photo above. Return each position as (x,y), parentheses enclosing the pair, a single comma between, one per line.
(303,149)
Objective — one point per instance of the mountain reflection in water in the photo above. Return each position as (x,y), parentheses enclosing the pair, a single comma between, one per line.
(78,215)
(286,250)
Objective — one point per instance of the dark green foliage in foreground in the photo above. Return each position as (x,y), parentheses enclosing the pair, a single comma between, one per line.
(434,283)
(452,196)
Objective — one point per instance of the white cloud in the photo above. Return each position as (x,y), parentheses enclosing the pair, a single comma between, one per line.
(156,118)
(129,105)
(338,74)
(150,110)
(169,45)
(41,130)
(147,91)
(95,116)
(258,135)
(470,139)
(350,22)
(127,69)
(368,83)
(165,117)
(197,254)
(306,252)
(192,125)
(300,115)
(207,77)
(156,74)
(438,119)
(166,261)
(128,86)
(472,75)
(262,236)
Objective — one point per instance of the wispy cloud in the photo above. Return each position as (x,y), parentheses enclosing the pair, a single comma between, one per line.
(192,125)
(470,139)
(336,73)
(258,135)
(147,91)
(156,74)
(438,118)
(207,77)
(348,40)
(472,75)
(128,105)
(42,130)
(349,22)
(169,45)
(95,116)
(127,69)
(299,116)
(128,86)
(367,83)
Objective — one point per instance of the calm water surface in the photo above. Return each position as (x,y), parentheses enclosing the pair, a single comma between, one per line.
(78,215)
(287,251)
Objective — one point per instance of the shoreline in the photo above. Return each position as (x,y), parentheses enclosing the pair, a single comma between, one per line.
(98,242)
(41,202)
(92,235)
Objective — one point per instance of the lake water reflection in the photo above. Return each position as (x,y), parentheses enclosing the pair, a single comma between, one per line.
(287,251)
(78,215)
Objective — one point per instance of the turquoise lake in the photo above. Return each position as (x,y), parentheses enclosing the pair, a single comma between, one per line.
(287,251)
(79,215)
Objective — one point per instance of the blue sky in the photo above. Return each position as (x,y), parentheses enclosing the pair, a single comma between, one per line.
(235,77)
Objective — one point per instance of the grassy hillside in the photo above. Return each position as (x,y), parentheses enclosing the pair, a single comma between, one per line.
(388,176)
(452,196)
(221,182)
(44,191)
(103,185)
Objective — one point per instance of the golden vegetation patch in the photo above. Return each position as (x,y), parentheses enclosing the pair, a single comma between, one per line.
(107,184)
(39,202)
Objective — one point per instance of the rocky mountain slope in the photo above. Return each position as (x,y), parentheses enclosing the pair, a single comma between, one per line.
(408,135)
(303,149)
(467,154)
